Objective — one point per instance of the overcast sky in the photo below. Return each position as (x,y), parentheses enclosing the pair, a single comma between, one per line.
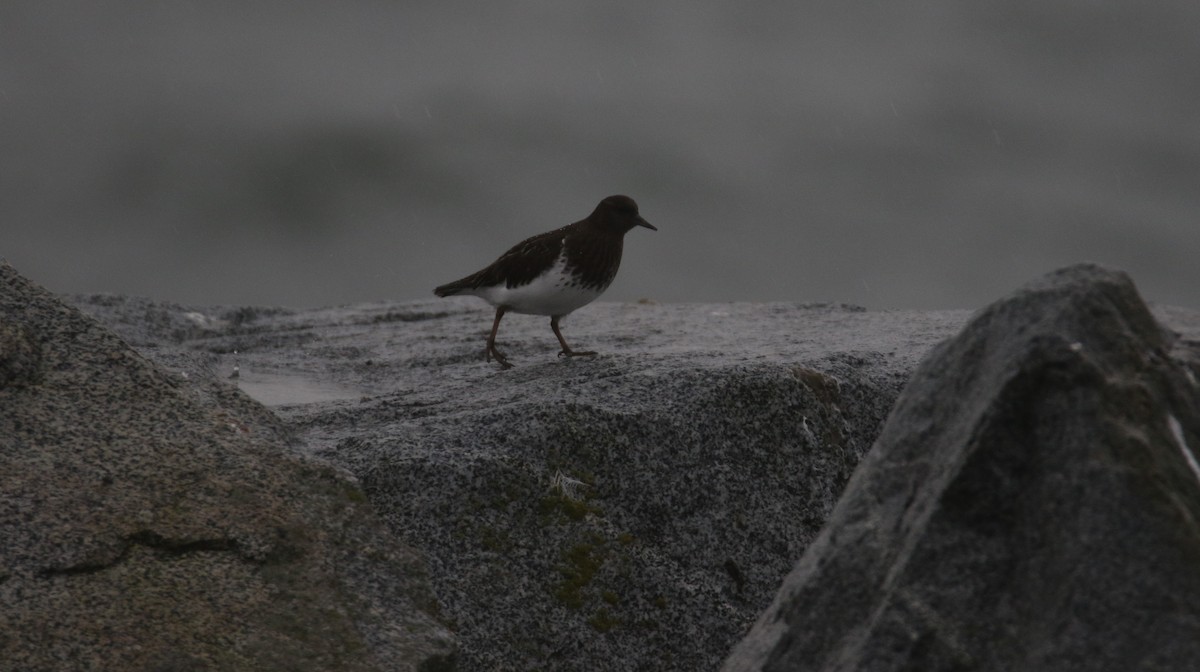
(893,155)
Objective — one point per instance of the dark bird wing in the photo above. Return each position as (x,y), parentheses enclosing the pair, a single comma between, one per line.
(594,257)
(519,266)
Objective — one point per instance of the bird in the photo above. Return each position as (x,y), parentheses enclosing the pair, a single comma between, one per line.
(554,273)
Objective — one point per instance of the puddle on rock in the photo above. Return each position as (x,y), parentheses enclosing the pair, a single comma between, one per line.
(286,389)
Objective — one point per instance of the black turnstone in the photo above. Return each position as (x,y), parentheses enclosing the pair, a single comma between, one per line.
(556,272)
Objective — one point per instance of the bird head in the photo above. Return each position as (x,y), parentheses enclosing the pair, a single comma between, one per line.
(619,214)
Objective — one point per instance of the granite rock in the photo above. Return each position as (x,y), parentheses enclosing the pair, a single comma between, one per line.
(152,521)
(631,511)
(1032,503)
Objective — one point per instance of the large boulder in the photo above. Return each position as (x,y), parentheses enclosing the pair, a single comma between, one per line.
(631,511)
(154,522)
(1032,504)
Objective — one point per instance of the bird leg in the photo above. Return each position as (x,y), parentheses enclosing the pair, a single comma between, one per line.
(566,349)
(491,342)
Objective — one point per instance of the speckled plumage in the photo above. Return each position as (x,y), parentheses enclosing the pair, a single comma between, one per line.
(556,272)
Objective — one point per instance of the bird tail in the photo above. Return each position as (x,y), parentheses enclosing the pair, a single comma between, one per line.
(467,284)
(450,289)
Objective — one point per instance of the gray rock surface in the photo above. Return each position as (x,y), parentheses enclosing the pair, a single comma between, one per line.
(150,521)
(1032,504)
(632,511)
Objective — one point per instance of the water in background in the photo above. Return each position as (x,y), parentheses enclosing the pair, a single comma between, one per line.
(896,155)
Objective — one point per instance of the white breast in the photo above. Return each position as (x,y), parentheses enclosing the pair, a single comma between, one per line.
(551,293)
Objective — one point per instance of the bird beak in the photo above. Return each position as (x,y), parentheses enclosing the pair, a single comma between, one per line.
(648,225)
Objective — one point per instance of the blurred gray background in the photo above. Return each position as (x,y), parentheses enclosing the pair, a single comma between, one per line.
(895,155)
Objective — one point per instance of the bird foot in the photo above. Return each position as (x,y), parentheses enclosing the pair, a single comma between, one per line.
(499,356)
(572,353)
